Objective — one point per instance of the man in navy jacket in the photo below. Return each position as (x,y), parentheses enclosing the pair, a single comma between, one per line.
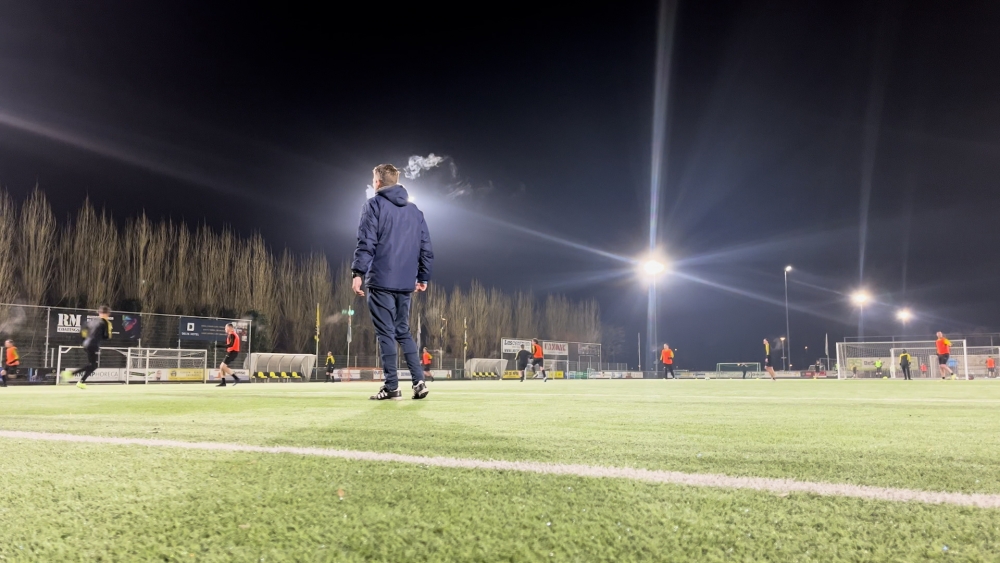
(393,259)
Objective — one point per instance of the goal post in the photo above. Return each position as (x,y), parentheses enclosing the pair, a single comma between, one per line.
(737,366)
(860,359)
(166,365)
(110,364)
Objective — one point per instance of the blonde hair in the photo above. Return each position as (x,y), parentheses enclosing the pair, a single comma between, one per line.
(388,173)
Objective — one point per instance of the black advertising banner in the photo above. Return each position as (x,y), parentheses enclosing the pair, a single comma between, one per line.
(209,330)
(69,322)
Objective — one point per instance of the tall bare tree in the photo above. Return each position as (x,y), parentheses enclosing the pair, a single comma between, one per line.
(8,249)
(36,248)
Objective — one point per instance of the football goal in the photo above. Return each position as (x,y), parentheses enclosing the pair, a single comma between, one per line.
(135,365)
(881,359)
(166,365)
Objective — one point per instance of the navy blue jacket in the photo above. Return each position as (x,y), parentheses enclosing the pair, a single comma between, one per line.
(394,245)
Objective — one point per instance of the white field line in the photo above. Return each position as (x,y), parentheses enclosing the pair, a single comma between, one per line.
(780,486)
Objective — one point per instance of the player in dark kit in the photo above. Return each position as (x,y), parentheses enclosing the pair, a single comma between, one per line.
(768,365)
(329,367)
(11,361)
(538,359)
(522,361)
(232,346)
(98,330)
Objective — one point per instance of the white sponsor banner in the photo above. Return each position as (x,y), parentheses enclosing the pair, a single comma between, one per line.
(555,348)
(243,374)
(343,374)
(441,373)
(600,375)
(513,345)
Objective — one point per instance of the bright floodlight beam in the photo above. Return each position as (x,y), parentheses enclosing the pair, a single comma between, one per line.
(788,268)
(860,298)
(904,315)
(653,268)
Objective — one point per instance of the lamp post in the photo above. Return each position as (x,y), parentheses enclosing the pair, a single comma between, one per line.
(788,333)
(783,354)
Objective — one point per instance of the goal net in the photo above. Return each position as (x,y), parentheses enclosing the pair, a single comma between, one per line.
(738,366)
(970,365)
(881,359)
(110,364)
(163,365)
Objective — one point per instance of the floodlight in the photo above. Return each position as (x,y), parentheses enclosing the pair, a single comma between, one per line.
(653,268)
(788,268)
(860,298)
(904,315)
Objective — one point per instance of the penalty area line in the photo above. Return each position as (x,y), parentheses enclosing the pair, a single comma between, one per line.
(765,484)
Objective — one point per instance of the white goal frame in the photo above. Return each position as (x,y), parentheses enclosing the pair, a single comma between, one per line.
(64,350)
(851,354)
(146,360)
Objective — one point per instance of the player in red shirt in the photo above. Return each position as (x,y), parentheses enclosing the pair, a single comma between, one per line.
(991,367)
(232,351)
(943,353)
(425,362)
(667,359)
(538,359)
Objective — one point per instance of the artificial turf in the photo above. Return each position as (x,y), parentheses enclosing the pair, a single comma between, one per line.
(89,502)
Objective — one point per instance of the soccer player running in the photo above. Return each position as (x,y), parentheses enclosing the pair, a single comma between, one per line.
(667,359)
(538,359)
(904,364)
(393,258)
(523,358)
(943,353)
(11,361)
(329,367)
(98,330)
(232,346)
(425,362)
(768,365)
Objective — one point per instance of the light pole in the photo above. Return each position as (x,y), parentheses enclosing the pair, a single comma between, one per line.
(651,269)
(788,333)
(860,298)
(783,354)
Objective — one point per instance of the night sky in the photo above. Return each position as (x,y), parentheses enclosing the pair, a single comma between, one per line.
(782,116)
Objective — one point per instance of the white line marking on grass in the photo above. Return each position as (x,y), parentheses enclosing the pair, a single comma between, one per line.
(781,486)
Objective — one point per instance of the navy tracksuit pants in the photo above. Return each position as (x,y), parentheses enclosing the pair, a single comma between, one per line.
(391,314)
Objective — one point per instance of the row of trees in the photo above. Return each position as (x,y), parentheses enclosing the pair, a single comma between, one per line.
(168,267)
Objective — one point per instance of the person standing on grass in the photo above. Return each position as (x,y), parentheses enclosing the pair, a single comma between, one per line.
(98,330)
(425,362)
(329,366)
(991,367)
(904,364)
(667,359)
(393,259)
(232,346)
(768,363)
(522,361)
(11,361)
(923,369)
(745,368)
(538,359)
(943,353)
(878,368)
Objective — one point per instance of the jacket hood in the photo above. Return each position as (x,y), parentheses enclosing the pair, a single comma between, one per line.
(396,194)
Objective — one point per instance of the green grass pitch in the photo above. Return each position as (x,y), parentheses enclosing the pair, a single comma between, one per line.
(101,502)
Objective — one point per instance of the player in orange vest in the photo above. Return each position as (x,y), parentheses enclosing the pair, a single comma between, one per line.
(232,351)
(667,359)
(943,353)
(538,359)
(11,361)
(425,361)
(991,367)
